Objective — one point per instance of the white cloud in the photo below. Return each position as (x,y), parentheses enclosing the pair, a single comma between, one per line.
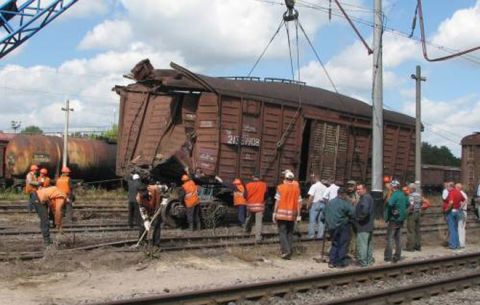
(461,31)
(111,34)
(351,70)
(34,95)
(205,32)
(87,8)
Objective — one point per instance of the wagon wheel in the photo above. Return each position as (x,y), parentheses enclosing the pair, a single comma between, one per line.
(172,215)
(213,214)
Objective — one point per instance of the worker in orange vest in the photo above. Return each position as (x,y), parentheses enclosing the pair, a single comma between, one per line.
(286,212)
(239,200)
(65,185)
(256,195)
(43,179)
(191,202)
(31,185)
(49,197)
(148,199)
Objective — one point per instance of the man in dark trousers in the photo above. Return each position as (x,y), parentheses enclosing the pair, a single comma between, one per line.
(148,200)
(364,215)
(134,184)
(338,214)
(395,214)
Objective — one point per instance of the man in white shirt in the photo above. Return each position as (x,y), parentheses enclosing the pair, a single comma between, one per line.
(462,221)
(316,205)
(331,192)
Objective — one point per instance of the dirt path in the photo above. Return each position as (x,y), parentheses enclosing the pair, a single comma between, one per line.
(109,274)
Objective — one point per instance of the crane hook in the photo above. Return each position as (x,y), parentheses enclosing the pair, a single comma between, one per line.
(291,13)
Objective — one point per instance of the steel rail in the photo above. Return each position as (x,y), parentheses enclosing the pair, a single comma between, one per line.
(289,286)
(185,243)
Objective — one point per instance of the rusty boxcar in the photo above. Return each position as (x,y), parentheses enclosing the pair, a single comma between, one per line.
(89,160)
(4,139)
(471,162)
(433,176)
(174,119)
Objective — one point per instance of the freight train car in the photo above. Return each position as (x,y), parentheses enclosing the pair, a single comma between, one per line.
(433,176)
(471,162)
(4,139)
(89,160)
(172,120)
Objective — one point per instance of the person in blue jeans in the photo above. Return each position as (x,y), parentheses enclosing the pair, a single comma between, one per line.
(316,206)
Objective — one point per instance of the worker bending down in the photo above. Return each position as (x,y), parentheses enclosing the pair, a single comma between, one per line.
(49,197)
(148,199)
(191,202)
(286,212)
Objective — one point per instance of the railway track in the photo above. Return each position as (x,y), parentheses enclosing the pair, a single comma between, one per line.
(182,243)
(326,281)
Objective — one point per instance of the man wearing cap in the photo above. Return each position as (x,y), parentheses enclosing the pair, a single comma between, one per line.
(286,212)
(192,201)
(331,191)
(316,205)
(413,219)
(134,184)
(31,185)
(43,179)
(256,196)
(338,215)
(395,214)
(239,200)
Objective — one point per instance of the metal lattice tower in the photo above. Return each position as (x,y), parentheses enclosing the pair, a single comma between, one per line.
(21,19)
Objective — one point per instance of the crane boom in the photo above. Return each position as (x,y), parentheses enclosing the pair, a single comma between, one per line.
(20,20)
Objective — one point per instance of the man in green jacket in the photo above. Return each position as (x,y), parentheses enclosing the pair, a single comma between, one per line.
(395,214)
(338,215)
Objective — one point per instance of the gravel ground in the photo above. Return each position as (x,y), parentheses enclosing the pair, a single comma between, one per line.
(320,296)
(466,297)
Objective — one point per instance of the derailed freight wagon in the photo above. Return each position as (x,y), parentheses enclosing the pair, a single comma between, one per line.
(175,119)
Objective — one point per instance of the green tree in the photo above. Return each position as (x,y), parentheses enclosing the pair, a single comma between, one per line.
(111,134)
(435,155)
(32,129)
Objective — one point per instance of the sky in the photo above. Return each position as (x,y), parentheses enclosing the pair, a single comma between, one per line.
(84,53)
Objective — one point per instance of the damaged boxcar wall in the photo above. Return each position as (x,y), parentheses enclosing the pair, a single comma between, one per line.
(168,124)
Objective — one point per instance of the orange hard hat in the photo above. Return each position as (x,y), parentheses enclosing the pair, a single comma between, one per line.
(33,167)
(237,181)
(44,171)
(386,179)
(66,170)
(185,178)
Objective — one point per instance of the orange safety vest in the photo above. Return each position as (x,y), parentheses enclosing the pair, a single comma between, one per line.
(191,194)
(63,183)
(152,203)
(55,199)
(43,181)
(239,196)
(288,203)
(28,187)
(256,196)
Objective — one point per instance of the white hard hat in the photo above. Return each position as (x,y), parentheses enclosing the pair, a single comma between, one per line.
(289,175)
(136,176)
(395,183)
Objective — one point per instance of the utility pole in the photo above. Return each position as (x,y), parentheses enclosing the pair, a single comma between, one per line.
(418,125)
(377,109)
(67,110)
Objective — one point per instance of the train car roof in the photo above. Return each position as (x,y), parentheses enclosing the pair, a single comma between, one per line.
(273,92)
(473,139)
(6,137)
